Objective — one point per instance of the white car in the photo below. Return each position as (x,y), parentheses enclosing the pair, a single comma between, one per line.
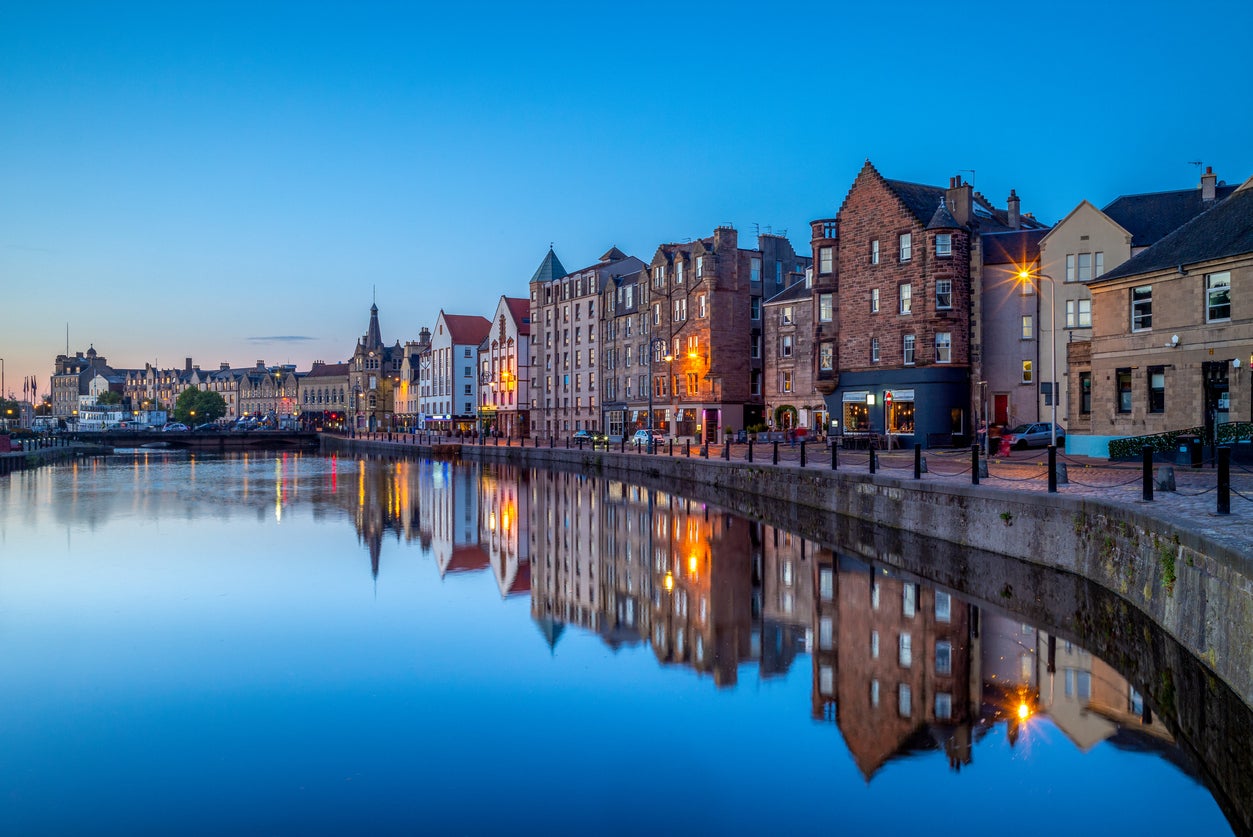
(176,427)
(642,435)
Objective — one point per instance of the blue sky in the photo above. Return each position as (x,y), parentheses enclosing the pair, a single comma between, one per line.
(214,180)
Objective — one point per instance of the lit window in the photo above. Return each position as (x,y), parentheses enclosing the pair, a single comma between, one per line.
(1028,372)
(826,357)
(907,298)
(1028,330)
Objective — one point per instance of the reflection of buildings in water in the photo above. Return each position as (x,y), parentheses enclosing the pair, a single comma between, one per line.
(892,663)
(503,515)
(383,499)
(449,516)
(564,521)
(787,596)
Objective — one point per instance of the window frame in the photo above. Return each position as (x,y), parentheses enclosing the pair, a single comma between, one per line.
(1211,289)
(905,246)
(943,294)
(943,347)
(909,348)
(1141,310)
(943,245)
(905,298)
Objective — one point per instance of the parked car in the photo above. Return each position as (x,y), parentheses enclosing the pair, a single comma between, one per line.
(641,437)
(1038,435)
(594,437)
(208,427)
(176,427)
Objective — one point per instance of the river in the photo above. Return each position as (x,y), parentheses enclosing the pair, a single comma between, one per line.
(293,643)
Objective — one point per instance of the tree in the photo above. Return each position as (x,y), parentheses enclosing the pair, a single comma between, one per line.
(199,406)
(109,398)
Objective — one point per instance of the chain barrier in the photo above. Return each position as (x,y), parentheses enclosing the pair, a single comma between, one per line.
(1137,478)
(1013,479)
(1197,493)
(1241,496)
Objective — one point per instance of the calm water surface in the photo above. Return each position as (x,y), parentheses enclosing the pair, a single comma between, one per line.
(299,644)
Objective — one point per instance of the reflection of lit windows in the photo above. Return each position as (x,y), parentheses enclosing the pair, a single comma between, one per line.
(904,701)
(874,692)
(874,645)
(826,583)
(909,599)
(943,607)
(943,705)
(906,650)
(825,633)
(944,658)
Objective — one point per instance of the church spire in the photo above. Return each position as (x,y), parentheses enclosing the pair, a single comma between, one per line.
(373,335)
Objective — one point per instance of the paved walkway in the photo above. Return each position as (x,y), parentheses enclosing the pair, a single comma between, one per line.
(1192,506)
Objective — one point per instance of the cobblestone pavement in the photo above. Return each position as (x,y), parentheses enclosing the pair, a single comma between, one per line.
(1192,505)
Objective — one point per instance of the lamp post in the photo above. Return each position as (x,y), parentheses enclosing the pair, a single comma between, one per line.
(1025,276)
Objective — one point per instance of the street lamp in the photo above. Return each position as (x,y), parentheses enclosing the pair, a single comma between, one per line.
(1025,276)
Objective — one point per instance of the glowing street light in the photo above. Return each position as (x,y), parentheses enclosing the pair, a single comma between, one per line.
(1024,275)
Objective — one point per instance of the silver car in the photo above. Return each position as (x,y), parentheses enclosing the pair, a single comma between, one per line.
(1038,435)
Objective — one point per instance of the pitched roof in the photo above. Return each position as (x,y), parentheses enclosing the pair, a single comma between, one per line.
(793,292)
(1018,247)
(918,198)
(1151,216)
(520,310)
(1225,230)
(549,269)
(327,370)
(466,329)
(943,219)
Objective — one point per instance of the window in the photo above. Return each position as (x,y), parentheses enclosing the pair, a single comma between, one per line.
(786,315)
(874,645)
(906,246)
(905,651)
(904,700)
(754,346)
(1078,313)
(785,385)
(1085,392)
(1142,308)
(943,606)
(944,244)
(778,272)
(943,293)
(1028,372)
(874,300)
(1217,297)
(680,310)
(826,308)
(754,307)
(1070,267)
(909,600)
(874,692)
(1085,267)
(1028,332)
(678,273)
(1157,389)
(1122,378)
(874,349)
(785,346)
(944,658)
(943,705)
(907,298)
(826,259)
(1098,264)
(826,357)
(943,347)
(874,251)
(702,306)
(693,384)
(700,266)
(907,347)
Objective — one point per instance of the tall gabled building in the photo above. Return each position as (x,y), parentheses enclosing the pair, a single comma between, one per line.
(904,262)
(505,370)
(448,377)
(373,371)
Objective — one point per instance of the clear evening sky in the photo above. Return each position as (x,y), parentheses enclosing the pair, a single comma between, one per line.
(231,181)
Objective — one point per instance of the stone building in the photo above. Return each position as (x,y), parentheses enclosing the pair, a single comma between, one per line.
(406,413)
(324,392)
(905,263)
(1006,392)
(269,393)
(565,313)
(792,399)
(691,324)
(373,372)
(1172,333)
(70,378)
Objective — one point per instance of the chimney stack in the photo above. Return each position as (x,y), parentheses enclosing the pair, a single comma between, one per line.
(222,367)
(958,200)
(1015,219)
(187,365)
(1209,181)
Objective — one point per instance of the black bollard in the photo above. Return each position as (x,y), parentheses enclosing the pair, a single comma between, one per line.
(917,461)
(580,443)
(802,453)
(835,456)
(1052,469)
(1224,480)
(774,459)
(726,451)
(622,444)
(750,450)
(704,450)
(1146,459)
(974,464)
(552,441)
(670,452)
(873,463)
(687,448)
